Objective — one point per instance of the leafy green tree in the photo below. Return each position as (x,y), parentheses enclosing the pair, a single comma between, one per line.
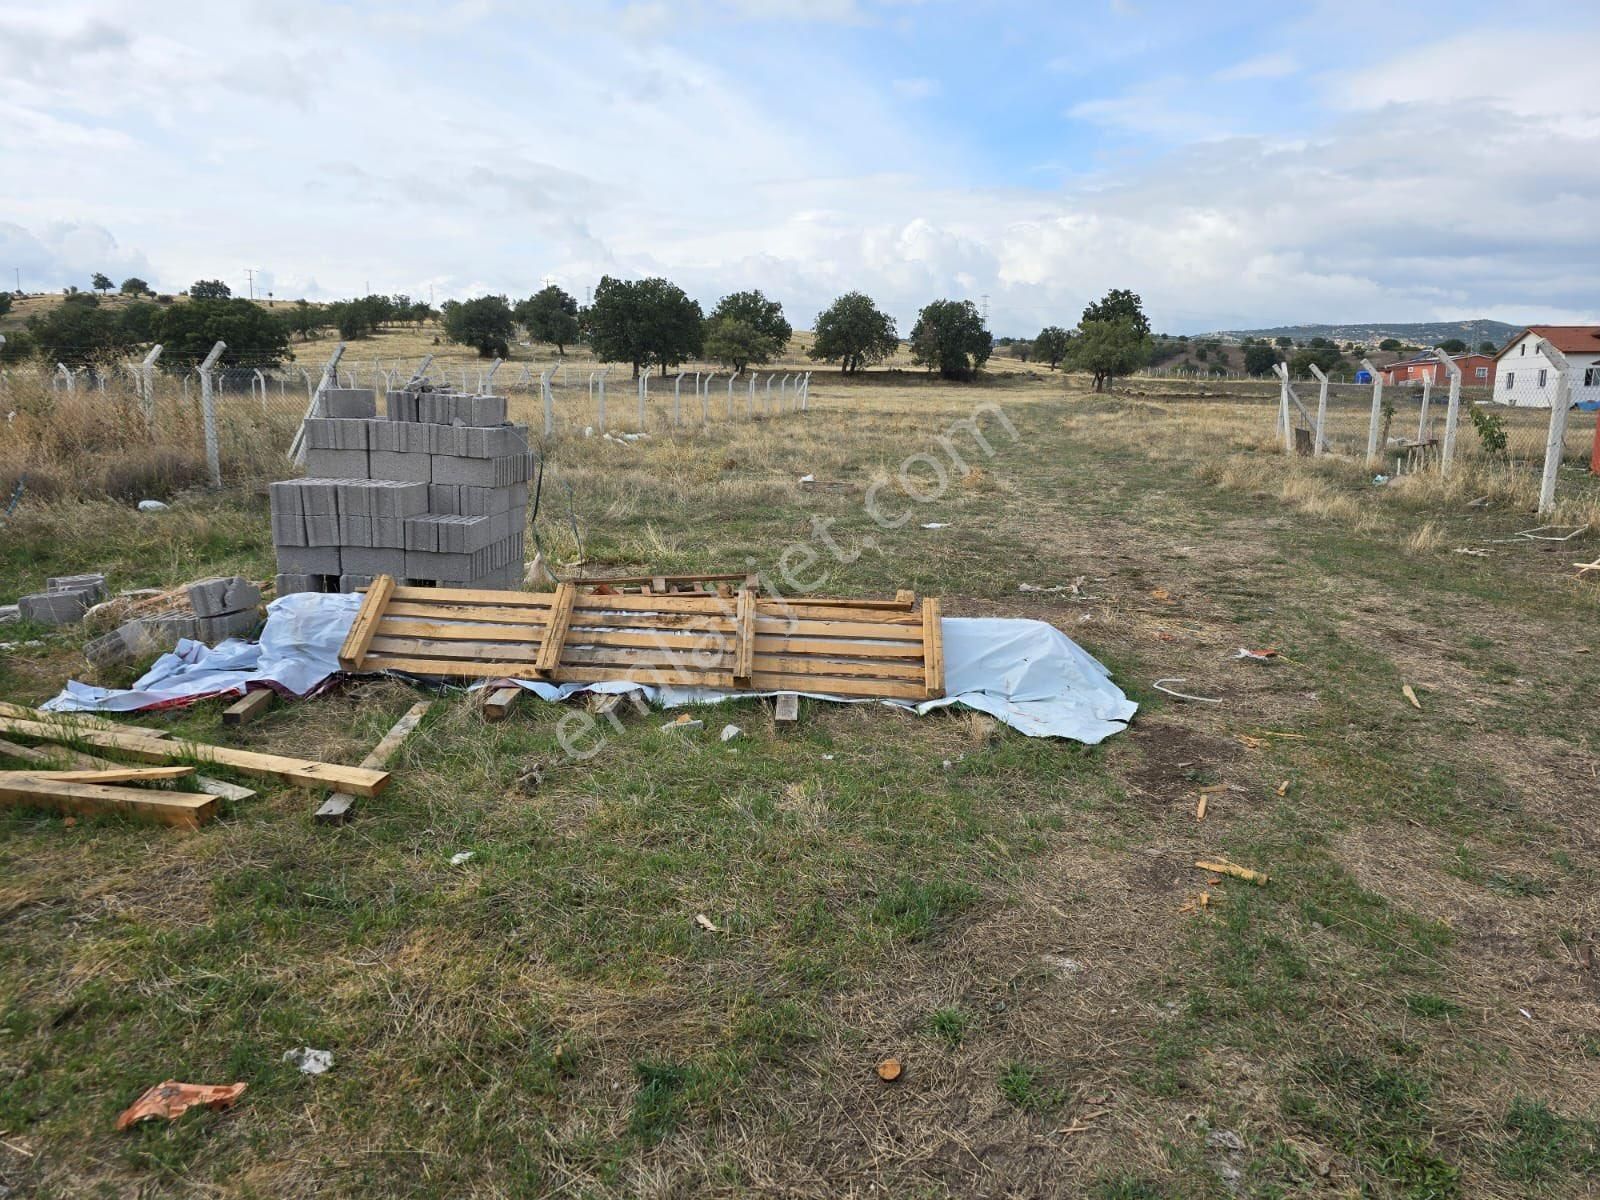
(1051,345)
(949,335)
(1022,349)
(101,282)
(763,315)
(19,346)
(854,332)
(1107,349)
(643,322)
(134,286)
(136,323)
(484,323)
(1325,357)
(76,334)
(736,343)
(188,331)
(1453,346)
(1259,359)
(209,289)
(1119,304)
(1488,348)
(551,316)
(1283,340)
(305,319)
(1390,344)
(5,303)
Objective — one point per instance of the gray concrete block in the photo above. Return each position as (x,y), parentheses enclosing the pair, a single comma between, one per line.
(284,496)
(354,583)
(54,608)
(472,472)
(170,627)
(212,630)
(323,530)
(92,587)
(401,406)
(355,531)
(288,529)
(336,464)
(10,614)
(444,568)
(376,560)
(422,533)
(350,403)
(309,560)
(231,594)
(389,532)
(328,433)
(444,499)
(403,466)
(402,499)
(290,584)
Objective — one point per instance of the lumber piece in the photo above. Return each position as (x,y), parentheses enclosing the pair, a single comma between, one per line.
(305,772)
(744,654)
(497,704)
(366,623)
(187,810)
(89,762)
(1223,867)
(555,635)
(249,706)
(108,775)
(933,647)
(335,810)
(38,714)
(786,709)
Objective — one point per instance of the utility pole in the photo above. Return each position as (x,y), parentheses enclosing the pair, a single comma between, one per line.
(985,310)
(250,274)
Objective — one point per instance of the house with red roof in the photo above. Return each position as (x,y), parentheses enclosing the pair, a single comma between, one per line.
(1525,378)
(1477,370)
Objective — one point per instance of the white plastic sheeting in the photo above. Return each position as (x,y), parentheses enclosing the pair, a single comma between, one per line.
(1027,674)
(297,653)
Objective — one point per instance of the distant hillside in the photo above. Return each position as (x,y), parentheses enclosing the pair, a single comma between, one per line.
(1419,333)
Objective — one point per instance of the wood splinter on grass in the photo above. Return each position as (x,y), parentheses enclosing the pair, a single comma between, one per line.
(706,923)
(1409,694)
(1223,867)
(890,1069)
(1283,788)
(1200,808)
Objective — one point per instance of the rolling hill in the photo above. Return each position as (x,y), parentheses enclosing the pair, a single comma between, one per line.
(1417,333)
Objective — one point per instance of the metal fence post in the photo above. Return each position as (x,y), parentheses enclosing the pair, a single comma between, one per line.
(1447,453)
(1555,439)
(208,414)
(1319,445)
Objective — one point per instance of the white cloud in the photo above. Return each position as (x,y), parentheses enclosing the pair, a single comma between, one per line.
(1263,66)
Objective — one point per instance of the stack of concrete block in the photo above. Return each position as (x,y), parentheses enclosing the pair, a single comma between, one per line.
(64,600)
(436,494)
(218,609)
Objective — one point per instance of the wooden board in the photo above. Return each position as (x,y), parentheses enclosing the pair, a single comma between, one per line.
(336,808)
(249,707)
(188,810)
(305,772)
(873,648)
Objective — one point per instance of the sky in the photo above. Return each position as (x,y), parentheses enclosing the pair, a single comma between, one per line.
(1237,164)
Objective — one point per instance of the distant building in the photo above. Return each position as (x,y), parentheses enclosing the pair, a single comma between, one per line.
(1477,370)
(1525,377)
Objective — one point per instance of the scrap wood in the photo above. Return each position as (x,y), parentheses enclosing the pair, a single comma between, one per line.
(1538,534)
(1158,685)
(172,1099)
(1410,695)
(1585,568)
(1200,808)
(1283,788)
(304,772)
(498,699)
(22,712)
(88,762)
(890,1070)
(108,774)
(1223,867)
(336,808)
(187,810)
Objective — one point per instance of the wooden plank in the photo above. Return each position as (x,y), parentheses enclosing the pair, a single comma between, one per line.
(837,685)
(22,712)
(336,808)
(462,631)
(932,647)
(744,654)
(906,598)
(445,595)
(847,629)
(786,709)
(712,679)
(498,703)
(108,774)
(800,665)
(248,707)
(89,762)
(528,618)
(826,612)
(556,633)
(366,623)
(668,604)
(840,647)
(305,772)
(502,652)
(184,809)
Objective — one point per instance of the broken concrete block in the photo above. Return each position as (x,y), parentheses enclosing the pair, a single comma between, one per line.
(9,614)
(54,608)
(212,630)
(93,587)
(231,594)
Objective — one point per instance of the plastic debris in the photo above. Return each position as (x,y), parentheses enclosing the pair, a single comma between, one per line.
(1182,695)
(936,525)
(1255,655)
(1380,479)
(172,1099)
(808,479)
(460,857)
(153,506)
(310,1062)
(729,732)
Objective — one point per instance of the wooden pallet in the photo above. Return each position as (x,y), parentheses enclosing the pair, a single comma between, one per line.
(744,642)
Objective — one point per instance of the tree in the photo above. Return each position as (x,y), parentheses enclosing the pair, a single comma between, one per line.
(1487,348)
(484,324)
(1119,304)
(188,331)
(852,330)
(1325,357)
(643,322)
(550,315)
(305,319)
(1107,349)
(209,289)
(949,335)
(101,282)
(360,318)
(1022,349)
(1283,340)
(745,328)
(1453,346)
(1051,345)
(76,334)
(1390,344)
(5,303)
(134,286)
(19,346)
(136,323)
(1259,359)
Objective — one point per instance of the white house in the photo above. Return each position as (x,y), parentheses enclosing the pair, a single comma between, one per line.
(1524,378)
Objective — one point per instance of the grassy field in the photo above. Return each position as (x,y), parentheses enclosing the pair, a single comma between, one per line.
(1407,1008)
